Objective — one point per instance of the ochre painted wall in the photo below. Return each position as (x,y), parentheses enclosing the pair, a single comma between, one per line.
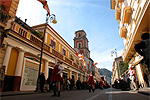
(43,66)
(48,39)
(61,49)
(66,52)
(17,28)
(68,73)
(69,55)
(57,45)
(12,62)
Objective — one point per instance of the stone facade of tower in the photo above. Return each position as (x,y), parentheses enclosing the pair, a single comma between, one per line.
(81,43)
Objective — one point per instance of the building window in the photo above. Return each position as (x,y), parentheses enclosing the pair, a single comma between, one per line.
(71,57)
(79,45)
(21,31)
(125,3)
(79,35)
(53,44)
(64,51)
(24,33)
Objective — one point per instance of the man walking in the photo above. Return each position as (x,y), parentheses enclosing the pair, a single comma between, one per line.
(56,78)
(143,48)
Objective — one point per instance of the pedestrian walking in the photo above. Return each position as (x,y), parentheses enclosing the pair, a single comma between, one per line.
(68,83)
(78,84)
(56,78)
(131,72)
(101,84)
(91,83)
(72,83)
(143,48)
(2,77)
(146,79)
(129,81)
(42,81)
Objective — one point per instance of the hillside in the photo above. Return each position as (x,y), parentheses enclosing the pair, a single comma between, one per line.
(105,72)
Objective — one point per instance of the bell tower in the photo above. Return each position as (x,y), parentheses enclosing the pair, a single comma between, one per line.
(81,43)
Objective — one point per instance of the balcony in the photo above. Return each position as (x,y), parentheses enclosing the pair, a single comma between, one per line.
(75,65)
(127,14)
(118,13)
(119,1)
(123,32)
(68,61)
(113,4)
(57,54)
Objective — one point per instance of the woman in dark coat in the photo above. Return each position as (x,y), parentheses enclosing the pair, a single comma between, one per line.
(42,81)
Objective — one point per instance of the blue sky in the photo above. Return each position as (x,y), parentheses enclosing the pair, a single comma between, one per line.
(95,17)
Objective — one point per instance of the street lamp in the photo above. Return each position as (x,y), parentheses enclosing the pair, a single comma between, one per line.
(54,21)
(114,52)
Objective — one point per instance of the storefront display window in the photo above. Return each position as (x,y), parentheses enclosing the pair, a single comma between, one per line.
(30,76)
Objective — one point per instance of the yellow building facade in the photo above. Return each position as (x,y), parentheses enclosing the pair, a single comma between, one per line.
(22,56)
(134,19)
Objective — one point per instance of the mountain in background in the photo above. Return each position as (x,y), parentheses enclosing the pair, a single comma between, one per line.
(105,72)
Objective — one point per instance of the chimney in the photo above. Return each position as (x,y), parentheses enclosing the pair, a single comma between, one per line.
(25,20)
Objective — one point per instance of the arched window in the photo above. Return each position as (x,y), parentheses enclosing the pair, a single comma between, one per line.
(24,33)
(79,35)
(79,45)
(19,30)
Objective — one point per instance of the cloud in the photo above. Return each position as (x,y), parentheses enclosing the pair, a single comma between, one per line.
(64,3)
(104,58)
(31,10)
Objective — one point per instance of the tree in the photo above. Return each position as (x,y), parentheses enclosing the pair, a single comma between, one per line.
(123,67)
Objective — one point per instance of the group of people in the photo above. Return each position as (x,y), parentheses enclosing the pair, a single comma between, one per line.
(56,81)
(130,82)
(143,49)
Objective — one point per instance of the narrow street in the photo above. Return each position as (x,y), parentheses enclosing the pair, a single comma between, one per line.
(106,94)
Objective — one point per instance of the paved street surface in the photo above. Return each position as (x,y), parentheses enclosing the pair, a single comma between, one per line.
(106,94)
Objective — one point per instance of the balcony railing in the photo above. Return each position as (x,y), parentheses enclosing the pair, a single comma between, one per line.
(118,1)
(68,61)
(123,32)
(118,13)
(47,47)
(113,3)
(127,14)
(75,65)
(57,54)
